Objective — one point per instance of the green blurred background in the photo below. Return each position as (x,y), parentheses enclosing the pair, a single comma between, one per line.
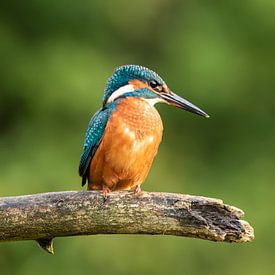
(55,58)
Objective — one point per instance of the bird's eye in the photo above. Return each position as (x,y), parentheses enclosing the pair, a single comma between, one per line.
(155,85)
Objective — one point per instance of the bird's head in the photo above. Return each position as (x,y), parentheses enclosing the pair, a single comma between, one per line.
(141,82)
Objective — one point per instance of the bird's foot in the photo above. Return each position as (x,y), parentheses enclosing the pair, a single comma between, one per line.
(137,189)
(105,191)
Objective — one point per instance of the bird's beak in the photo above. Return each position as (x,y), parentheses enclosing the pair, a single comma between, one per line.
(175,100)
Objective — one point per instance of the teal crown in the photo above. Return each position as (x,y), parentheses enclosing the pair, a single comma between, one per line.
(123,74)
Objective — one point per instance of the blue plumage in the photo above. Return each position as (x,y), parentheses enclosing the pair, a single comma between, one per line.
(93,136)
(96,128)
(97,124)
(144,93)
(123,74)
(148,85)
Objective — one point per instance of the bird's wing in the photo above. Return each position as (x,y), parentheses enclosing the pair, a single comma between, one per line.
(93,137)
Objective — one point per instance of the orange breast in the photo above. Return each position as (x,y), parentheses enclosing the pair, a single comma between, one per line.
(128,146)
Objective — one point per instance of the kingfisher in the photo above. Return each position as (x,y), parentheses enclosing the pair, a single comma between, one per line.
(123,136)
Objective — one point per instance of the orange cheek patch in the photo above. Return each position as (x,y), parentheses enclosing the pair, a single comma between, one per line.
(165,89)
(137,84)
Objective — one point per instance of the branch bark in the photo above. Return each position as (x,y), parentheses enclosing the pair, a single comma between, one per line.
(42,217)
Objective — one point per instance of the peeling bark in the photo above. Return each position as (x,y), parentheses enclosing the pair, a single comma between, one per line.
(42,217)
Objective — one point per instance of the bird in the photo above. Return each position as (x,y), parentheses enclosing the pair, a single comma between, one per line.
(123,136)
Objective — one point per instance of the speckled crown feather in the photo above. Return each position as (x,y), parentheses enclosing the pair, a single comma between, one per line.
(123,74)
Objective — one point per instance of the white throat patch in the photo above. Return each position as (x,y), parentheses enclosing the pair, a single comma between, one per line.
(120,91)
(153,101)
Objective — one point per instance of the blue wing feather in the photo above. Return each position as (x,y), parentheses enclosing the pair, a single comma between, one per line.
(93,137)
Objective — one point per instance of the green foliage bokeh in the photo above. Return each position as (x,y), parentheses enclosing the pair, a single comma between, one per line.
(55,58)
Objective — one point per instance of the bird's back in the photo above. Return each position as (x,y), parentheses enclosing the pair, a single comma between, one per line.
(128,146)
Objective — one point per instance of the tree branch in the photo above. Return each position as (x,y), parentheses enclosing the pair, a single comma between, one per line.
(42,217)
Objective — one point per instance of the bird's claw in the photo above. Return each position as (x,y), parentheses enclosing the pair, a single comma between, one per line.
(137,189)
(105,191)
